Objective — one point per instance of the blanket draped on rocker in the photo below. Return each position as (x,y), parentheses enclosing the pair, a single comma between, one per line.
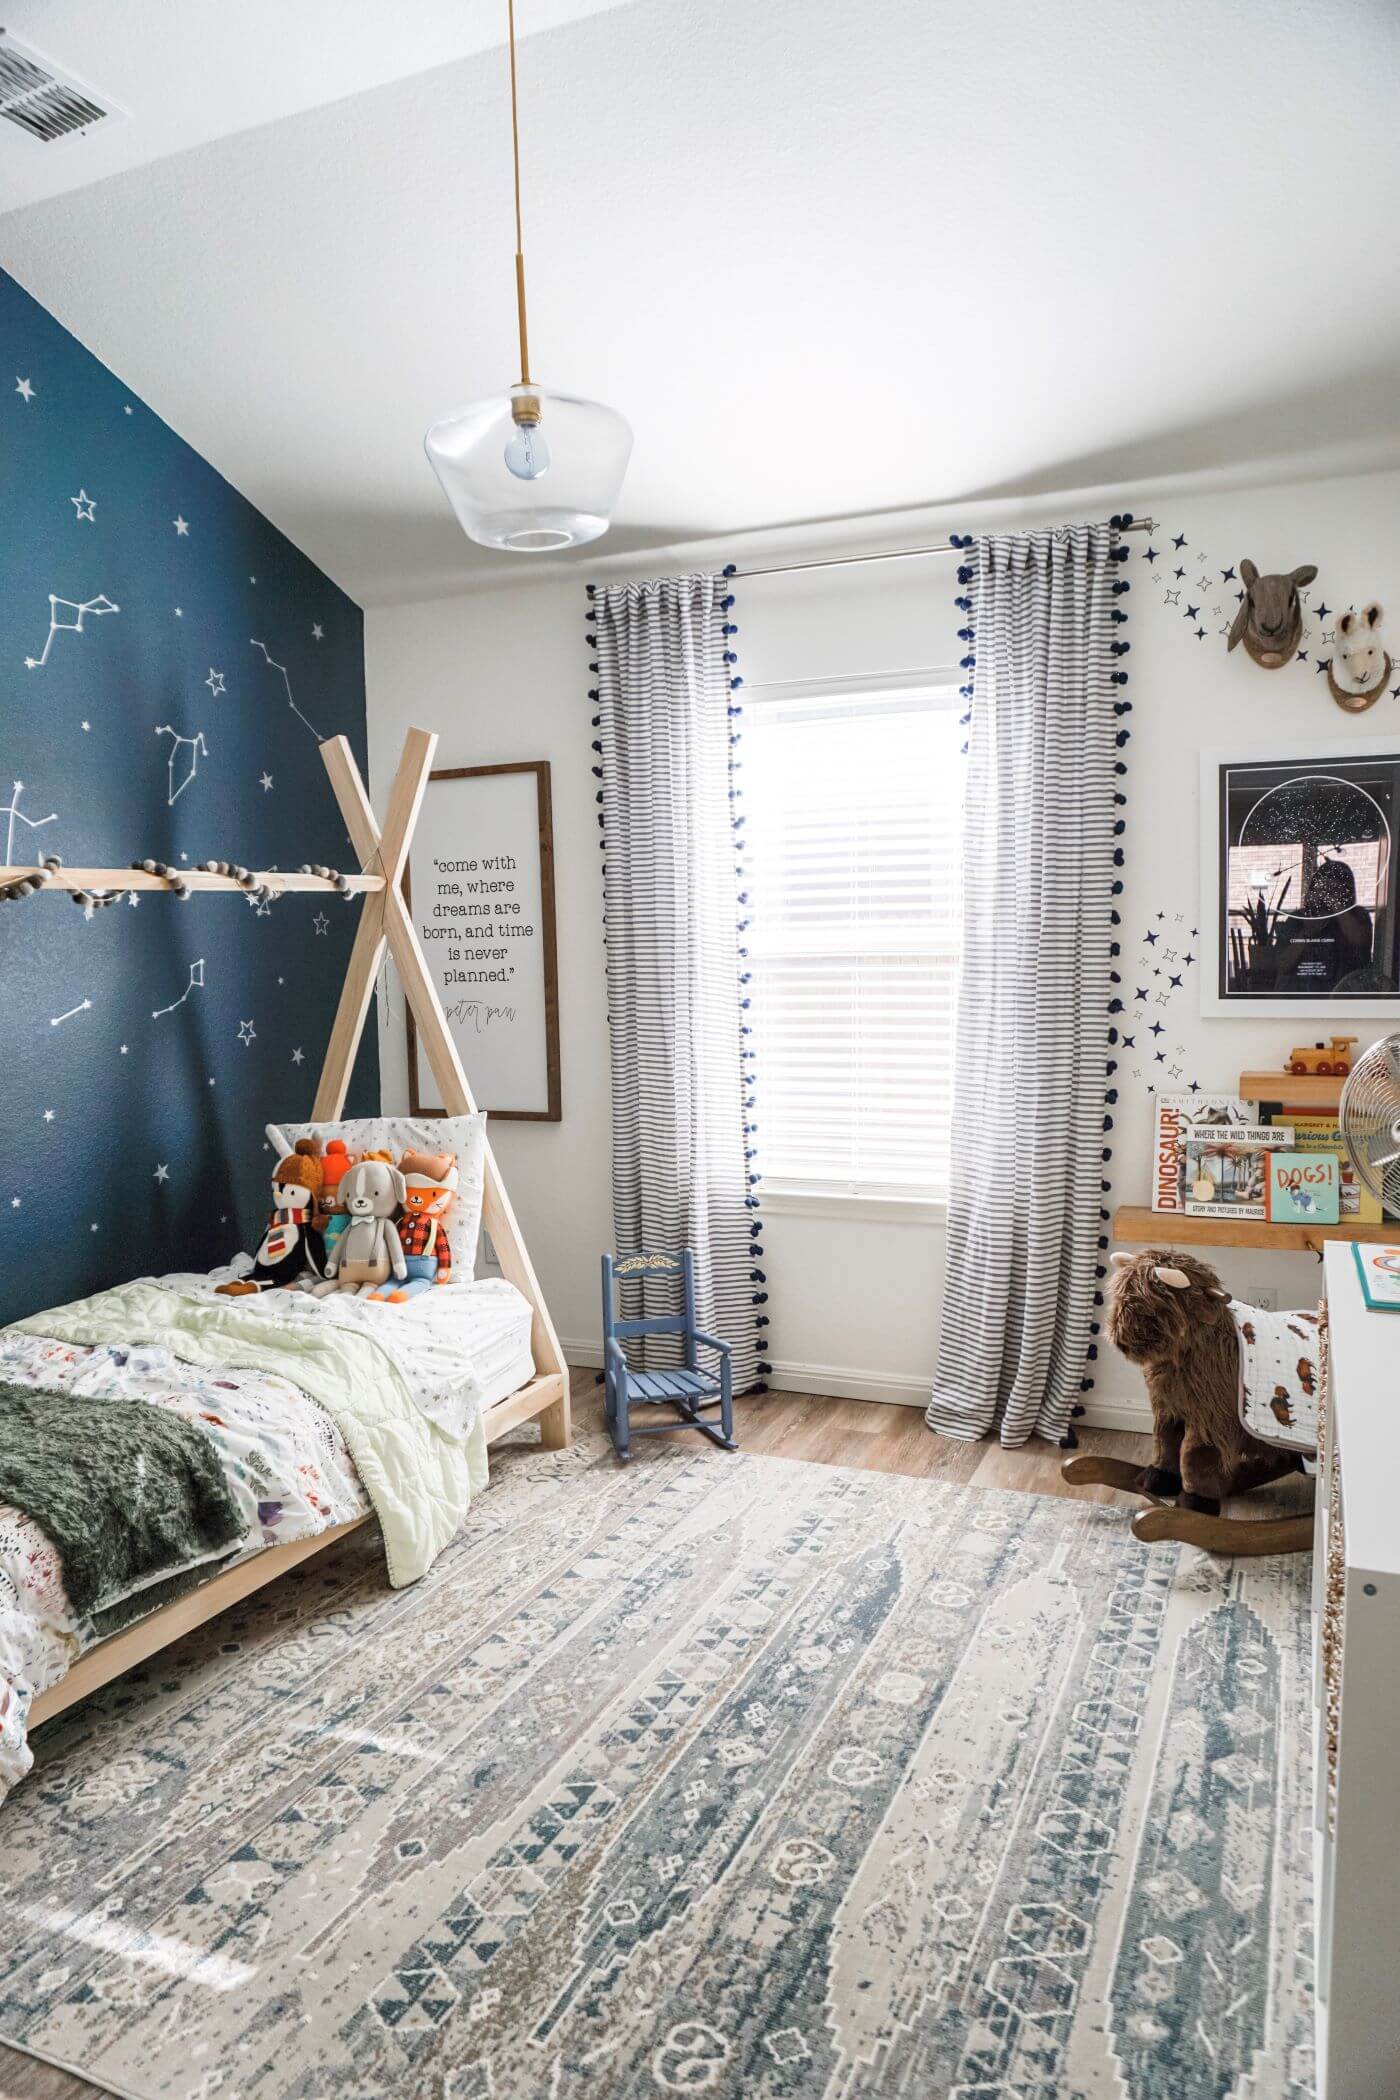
(132,1498)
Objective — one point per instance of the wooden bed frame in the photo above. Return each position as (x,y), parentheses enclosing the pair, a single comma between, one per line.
(384,923)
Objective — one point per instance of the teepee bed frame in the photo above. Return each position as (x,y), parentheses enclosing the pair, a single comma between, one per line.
(384,923)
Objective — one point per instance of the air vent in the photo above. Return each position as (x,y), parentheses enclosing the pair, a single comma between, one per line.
(40,99)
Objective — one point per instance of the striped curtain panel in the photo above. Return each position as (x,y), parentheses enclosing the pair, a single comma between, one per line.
(1042,856)
(682,1171)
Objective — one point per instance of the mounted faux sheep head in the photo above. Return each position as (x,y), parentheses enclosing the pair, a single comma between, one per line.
(1158,1302)
(1270,619)
(1360,668)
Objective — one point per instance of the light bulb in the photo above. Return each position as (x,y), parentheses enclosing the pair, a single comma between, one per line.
(527,452)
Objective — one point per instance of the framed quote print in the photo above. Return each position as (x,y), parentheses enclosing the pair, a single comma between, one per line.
(1300,886)
(480,887)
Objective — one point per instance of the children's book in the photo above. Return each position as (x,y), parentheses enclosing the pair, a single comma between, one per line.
(1323,1134)
(1176,1117)
(1304,1188)
(1379,1270)
(1227,1169)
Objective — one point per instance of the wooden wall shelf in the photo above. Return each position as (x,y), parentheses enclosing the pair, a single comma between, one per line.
(1165,1228)
(1306,1094)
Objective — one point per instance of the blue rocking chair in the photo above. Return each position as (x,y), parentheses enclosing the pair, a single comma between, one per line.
(687,1390)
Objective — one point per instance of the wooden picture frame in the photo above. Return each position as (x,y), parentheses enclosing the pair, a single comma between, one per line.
(552,1110)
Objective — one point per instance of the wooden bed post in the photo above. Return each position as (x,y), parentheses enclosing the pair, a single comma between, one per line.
(384,921)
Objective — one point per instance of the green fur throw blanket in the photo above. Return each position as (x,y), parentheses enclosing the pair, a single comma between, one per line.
(133,1497)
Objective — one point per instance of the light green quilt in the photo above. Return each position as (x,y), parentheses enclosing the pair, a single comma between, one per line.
(419,1480)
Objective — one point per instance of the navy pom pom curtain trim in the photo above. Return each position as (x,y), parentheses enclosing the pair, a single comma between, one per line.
(666,717)
(1040,617)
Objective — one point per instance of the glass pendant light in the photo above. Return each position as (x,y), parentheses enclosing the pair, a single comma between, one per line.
(531,471)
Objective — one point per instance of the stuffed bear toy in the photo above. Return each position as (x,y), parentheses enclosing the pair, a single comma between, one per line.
(291,1246)
(368,1252)
(1233,1388)
(430,1188)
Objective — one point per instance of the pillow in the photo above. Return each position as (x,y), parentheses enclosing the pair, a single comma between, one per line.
(463,1135)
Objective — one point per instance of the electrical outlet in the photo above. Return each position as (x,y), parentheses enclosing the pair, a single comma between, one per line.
(1265,1296)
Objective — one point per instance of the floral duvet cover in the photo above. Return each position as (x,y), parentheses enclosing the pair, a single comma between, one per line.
(284,1458)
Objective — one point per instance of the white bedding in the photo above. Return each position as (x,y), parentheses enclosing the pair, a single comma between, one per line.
(462,1346)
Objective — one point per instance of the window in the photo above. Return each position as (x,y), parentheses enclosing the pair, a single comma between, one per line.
(854,801)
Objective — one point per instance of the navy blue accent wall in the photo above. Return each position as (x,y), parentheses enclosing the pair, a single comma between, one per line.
(142,1051)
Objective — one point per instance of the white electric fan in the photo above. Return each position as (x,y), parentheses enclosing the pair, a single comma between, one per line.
(1369,1119)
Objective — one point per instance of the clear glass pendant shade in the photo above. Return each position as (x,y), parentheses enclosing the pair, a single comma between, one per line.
(532,471)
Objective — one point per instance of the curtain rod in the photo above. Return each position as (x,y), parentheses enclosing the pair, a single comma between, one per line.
(851,561)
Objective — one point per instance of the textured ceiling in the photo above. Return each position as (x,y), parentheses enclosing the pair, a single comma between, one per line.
(828,261)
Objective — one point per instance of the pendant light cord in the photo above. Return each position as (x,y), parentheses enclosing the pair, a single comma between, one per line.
(519,237)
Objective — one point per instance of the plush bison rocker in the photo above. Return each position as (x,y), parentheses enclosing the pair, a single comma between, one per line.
(1170,1314)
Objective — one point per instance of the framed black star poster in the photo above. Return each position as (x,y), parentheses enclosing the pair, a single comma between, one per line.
(1300,880)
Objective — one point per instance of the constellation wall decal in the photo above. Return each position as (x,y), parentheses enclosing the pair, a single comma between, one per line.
(125,621)
(81,607)
(272,661)
(197,749)
(196,984)
(16,815)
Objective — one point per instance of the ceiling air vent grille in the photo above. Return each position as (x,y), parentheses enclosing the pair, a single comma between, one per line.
(41,100)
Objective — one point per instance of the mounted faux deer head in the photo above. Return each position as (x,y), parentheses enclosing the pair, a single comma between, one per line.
(1360,668)
(1270,619)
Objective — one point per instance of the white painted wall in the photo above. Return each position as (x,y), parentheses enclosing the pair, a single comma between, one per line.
(500,675)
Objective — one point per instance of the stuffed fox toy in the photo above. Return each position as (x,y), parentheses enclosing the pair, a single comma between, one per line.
(430,1188)
(291,1246)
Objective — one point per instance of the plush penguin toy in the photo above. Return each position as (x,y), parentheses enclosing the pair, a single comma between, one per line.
(292,1248)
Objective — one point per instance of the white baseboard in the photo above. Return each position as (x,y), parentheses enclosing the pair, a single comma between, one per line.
(891,1388)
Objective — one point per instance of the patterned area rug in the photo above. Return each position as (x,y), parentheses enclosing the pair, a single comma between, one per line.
(726,1776)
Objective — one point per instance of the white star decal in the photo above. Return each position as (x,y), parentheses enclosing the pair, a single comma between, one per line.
(85,725)
(298,1057)
(127,411)
(182,530)
(48,1115)
(85,506)
(162,1173)
(123,1049)
(246,1033)
(266,782)
(213,1082)
(179,612)
(93,1227)
(318,632)
(321,923)
(15,1202)
(215,681)
(23,389)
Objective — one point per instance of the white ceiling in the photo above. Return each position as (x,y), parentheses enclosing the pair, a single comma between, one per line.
(828,260)
(182,72)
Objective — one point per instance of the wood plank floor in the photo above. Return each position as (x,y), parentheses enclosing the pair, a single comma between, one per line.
(858,1433)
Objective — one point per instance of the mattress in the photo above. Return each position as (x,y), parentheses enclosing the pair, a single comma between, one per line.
(468,1345)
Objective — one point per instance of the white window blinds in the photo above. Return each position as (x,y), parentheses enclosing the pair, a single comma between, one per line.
(853,802)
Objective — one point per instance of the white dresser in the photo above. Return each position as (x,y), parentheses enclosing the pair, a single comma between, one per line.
(1356,1603)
